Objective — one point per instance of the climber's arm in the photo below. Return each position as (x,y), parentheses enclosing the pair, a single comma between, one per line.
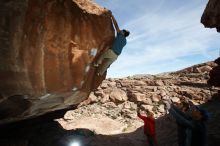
(180,118)
(140,116)
(115,23)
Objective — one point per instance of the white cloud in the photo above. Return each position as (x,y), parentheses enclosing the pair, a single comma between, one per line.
(161,37)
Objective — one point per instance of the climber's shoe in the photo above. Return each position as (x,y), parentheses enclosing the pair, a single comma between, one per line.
(96,65)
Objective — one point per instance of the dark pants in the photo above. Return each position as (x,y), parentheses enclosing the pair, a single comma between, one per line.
(151,140)
(181,133)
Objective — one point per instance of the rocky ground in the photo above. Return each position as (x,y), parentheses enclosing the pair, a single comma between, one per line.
(108,116)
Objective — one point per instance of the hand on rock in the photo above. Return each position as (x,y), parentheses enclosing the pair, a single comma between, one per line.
(110,12)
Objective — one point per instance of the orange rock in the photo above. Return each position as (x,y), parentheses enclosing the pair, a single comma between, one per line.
(46,55)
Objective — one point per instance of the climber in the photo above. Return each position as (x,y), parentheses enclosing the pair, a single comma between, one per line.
(182,130)
(195,126)
(149,127)
(110,55)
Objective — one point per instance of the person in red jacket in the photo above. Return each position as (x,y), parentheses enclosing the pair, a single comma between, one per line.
(149,127)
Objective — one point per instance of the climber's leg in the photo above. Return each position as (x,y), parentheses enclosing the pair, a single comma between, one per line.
(105,65)
(101,58)
(110,57)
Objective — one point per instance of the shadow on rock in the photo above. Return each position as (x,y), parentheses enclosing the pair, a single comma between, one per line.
(47,132)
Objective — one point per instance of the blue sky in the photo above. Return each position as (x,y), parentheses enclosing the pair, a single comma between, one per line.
(166,35)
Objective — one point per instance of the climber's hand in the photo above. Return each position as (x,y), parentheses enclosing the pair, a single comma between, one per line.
(110,13)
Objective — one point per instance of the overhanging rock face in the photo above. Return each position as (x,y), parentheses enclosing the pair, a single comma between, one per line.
(47,48)
(211,15)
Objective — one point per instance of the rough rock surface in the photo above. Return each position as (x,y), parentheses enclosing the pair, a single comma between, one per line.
(149,92)
(211,15)
(110,122)
(211,19)
(152,90)
(47,48)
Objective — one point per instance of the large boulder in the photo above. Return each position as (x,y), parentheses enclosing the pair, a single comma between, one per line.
(47,48)
(211,15)
(118,95)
